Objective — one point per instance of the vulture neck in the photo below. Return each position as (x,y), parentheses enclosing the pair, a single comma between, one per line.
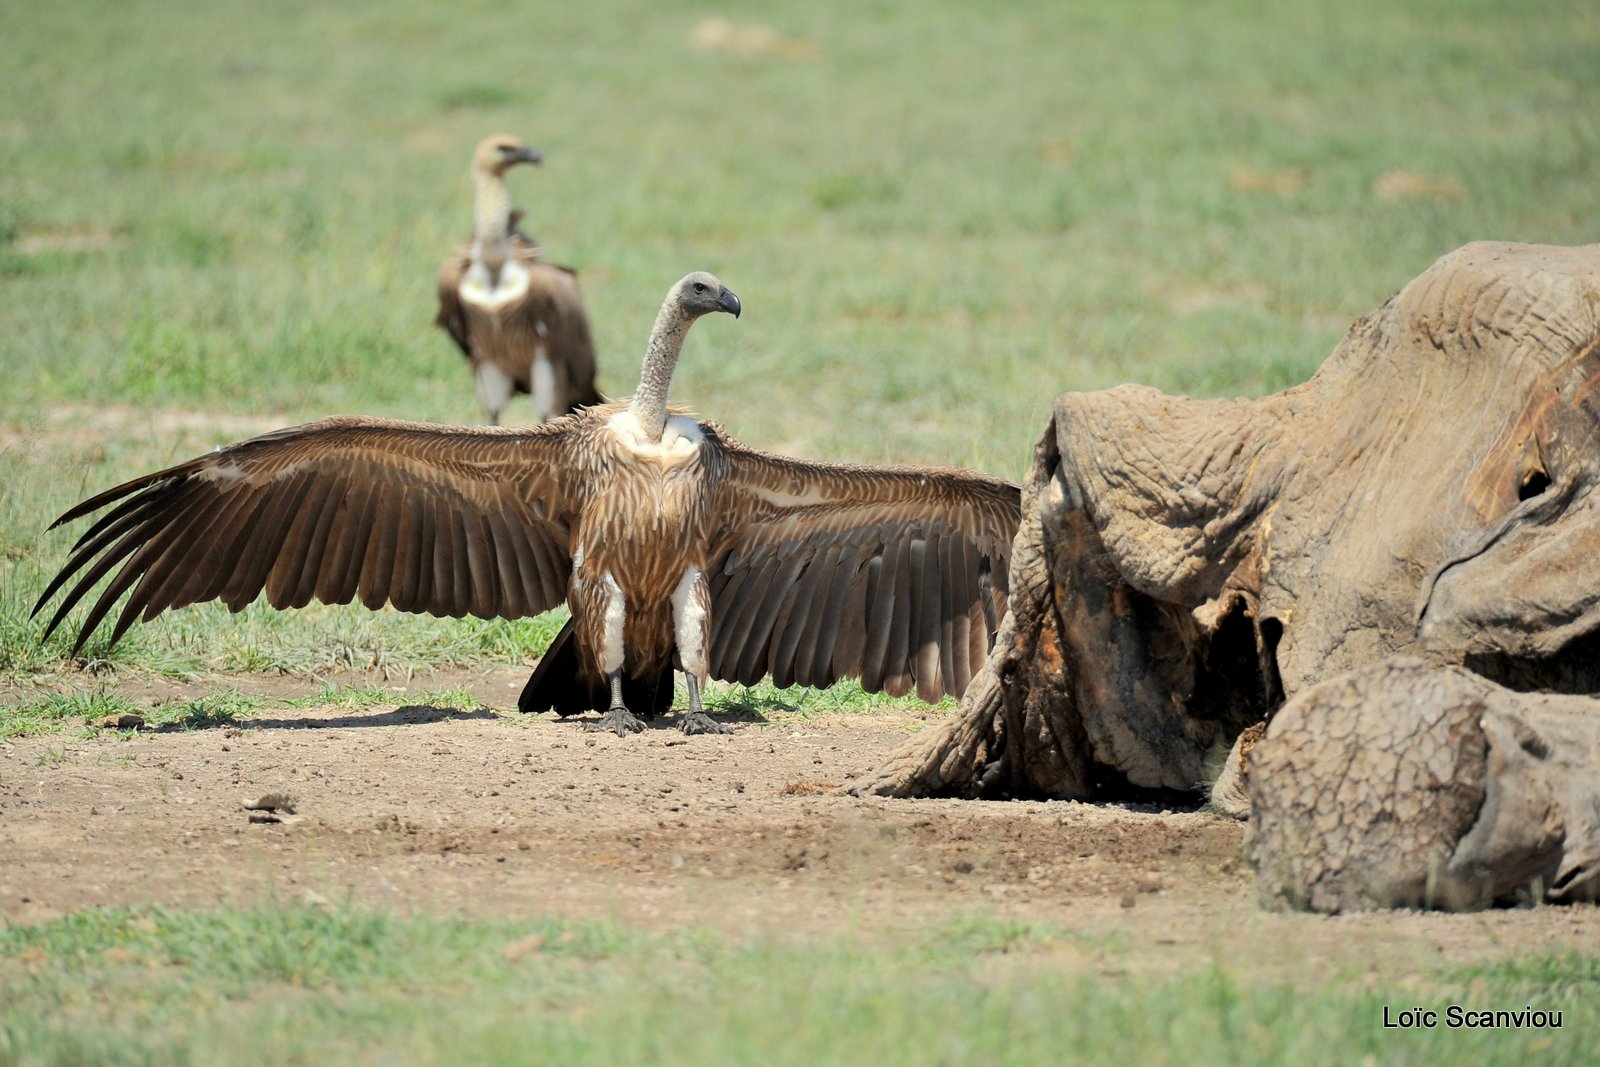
(491,236)
(649,404)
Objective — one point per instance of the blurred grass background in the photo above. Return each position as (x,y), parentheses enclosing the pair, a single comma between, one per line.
(938,217)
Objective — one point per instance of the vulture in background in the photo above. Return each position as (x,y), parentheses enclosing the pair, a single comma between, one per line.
(518,320)
(669,540)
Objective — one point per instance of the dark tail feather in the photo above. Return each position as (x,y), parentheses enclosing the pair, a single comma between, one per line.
(557,684)
(585,400)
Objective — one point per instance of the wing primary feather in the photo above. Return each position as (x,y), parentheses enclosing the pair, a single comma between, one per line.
(798,619)
(134,489)
(165,562)
(152,563)
(850,640)
(440,595)
(907,588)
(352,532)
(312,539)
(481,581)
(418,544)
(725,607)
(83,552)
(114,589)
(758,640)
(110,558)
(256,557)
(986,594)
(929,646)
(753,596)
(379,571)
(288,554)
(533,583)
(878,615)
(959,582)
(140,502)
(226,528)
(820,643)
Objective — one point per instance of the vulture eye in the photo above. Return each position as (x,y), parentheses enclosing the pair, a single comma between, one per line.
(699,287)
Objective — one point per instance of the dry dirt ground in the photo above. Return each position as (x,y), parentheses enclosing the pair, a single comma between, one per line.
(489,812)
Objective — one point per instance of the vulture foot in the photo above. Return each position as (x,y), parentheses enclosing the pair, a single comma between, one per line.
(698,722)
(619,720)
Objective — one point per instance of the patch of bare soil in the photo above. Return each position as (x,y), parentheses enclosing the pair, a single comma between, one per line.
(84,426)
(490,813)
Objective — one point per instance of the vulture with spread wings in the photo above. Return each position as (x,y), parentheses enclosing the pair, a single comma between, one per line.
(670,541)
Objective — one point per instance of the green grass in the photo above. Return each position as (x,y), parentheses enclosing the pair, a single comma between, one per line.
(938,217)
(335,985)
(60,712)
(356,697)
(780,707)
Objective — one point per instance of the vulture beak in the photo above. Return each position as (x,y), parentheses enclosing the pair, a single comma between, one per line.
(728,302)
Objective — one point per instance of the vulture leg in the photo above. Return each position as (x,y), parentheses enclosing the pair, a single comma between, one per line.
(544,387)
(695,720)
(619,720)
(691,624)
(494,389)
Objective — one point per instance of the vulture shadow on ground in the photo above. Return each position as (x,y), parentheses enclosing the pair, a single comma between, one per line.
(409,715)
(672,720)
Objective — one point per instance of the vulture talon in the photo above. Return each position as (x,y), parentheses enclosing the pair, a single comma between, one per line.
(698,722)
(619,721)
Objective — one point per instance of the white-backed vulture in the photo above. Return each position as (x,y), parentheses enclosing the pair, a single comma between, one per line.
(519,320)
(667,538)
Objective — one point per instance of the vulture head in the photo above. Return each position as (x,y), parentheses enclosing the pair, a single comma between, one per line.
(701,292)
(500,152)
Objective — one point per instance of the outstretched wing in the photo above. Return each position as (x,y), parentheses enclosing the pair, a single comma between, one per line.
(895,575)
(434,519)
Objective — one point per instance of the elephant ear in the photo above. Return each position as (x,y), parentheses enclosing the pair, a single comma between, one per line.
(1171,485)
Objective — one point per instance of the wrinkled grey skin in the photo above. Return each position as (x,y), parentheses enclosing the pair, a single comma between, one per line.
(1404,785)
(1184,566)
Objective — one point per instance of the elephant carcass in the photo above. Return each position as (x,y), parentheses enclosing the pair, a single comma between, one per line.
(1184,566)
(1404,785)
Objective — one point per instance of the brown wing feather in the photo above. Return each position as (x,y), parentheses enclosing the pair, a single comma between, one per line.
(452,316)
(821,570)
(430,518)
(554,299)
